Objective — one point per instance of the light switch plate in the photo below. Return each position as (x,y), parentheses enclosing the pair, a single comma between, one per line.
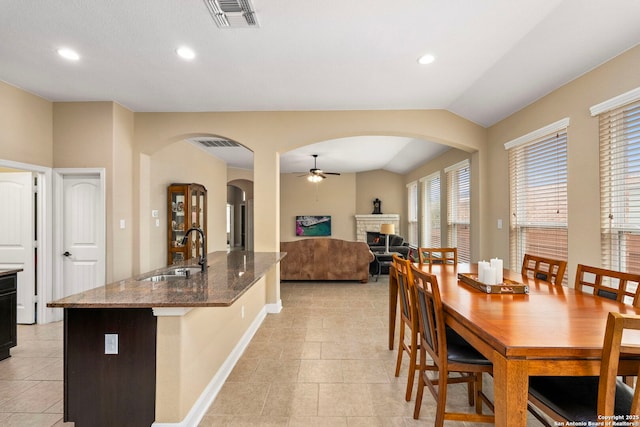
(110,343)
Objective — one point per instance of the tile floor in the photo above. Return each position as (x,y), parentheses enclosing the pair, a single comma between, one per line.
(323,361)
(31,379)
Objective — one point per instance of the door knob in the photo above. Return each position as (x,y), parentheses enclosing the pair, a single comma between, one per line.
(67,253)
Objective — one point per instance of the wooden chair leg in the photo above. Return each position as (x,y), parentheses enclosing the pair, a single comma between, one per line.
(400,349)
(471,391)
(442,398)
(412,364)
(419,393)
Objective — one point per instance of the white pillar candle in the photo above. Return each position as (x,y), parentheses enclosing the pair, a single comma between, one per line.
(482,268)
(491,276)
(497,264)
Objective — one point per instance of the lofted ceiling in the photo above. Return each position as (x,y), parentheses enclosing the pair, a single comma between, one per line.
(492,58)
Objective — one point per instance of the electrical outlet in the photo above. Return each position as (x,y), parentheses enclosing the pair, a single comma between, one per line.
(110,343)
(155,213)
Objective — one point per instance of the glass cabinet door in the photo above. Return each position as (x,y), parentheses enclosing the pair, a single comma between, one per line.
(178,225)
(187,208)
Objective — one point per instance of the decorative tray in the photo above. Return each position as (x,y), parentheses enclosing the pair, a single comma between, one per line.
(506,287)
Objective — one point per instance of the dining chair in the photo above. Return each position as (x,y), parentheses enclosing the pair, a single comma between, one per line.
(445,352)
(542,268)
(438,256)
(584,399)
(408,319)
(615,285)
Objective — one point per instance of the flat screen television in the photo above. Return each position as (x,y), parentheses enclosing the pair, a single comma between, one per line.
(313,225)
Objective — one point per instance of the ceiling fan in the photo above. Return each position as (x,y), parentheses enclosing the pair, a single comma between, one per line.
(315,174)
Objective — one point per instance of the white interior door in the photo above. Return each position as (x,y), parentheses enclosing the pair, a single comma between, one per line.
(83,245)
(17,225)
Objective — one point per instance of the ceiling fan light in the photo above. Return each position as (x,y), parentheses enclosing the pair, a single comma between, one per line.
(314,178)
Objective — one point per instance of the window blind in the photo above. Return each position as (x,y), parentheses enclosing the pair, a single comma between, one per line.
(431,212)
(538,198)
(620,187)
(459,209)
(412,197)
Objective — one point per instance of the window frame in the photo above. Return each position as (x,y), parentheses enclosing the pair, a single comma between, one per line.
(459,211)
(538,162)
(431,227)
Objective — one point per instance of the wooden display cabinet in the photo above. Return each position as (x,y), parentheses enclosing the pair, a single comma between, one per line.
(187,204)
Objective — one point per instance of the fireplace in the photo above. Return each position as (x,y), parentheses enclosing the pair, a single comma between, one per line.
(372,222)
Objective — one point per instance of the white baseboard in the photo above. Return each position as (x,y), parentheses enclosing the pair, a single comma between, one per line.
(199,409)
(274,308)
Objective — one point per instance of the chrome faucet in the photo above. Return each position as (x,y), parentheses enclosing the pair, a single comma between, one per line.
(203,254)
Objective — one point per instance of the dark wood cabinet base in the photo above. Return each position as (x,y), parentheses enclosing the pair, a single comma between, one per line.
(109,389)
(8,307)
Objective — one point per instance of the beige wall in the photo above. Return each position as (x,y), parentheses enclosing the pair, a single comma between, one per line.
(269,133)
(123,204)
(389,188)
(181,162)
(83,137)
(573,101)
(25,127)
(187,357)
(100,135)
(334,196)
(105,135)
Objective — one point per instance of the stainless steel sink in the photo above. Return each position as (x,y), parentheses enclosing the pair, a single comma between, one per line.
(164,277)
(178,273)
(184,271)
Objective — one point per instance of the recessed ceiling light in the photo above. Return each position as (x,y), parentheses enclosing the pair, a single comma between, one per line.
(69,54)
(426,59)
(185,53)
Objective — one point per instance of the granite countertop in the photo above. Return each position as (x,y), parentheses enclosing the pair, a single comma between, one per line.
(9,272)
(229,276)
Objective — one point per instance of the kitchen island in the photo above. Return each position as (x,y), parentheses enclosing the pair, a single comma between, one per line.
(157,348)
(8,311)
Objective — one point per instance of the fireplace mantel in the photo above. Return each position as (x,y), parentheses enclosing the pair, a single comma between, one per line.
(372,222)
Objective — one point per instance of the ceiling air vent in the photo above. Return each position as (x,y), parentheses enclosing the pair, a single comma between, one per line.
(232,13)
(216,142)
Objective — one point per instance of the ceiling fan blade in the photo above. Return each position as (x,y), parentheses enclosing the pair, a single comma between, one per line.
(322,175)
(331,173)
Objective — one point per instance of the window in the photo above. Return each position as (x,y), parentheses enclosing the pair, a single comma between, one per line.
(620,187)
(431,211)
(412,197)
(459,209)
(538,190)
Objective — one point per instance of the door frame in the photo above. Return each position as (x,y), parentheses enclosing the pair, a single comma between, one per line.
(44,220)
(58,225)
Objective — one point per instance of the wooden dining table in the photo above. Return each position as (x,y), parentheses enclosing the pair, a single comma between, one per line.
(552,330)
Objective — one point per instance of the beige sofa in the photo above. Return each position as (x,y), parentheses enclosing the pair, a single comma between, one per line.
(325,259)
